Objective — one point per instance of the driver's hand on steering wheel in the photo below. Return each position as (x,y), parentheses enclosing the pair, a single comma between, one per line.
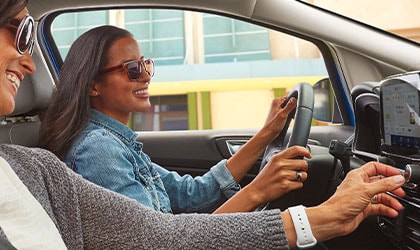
(282,174)
(277,115)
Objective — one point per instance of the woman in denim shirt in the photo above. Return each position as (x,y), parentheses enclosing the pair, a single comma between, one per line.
(85,126)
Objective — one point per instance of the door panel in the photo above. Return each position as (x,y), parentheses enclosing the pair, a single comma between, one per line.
(195,152)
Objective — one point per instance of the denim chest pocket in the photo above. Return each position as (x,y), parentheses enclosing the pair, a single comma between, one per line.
(147,177)
(154,187)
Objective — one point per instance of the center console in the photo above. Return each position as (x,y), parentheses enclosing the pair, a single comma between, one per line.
(400,147)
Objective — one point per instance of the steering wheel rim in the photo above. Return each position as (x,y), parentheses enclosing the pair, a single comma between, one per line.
(303,92)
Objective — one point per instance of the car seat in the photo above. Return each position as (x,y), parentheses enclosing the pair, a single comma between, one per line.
(22,126)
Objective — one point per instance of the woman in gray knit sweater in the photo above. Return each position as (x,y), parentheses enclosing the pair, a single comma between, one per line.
(90,217)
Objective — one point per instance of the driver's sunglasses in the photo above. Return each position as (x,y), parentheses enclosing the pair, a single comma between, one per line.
(134,68)
(25,28)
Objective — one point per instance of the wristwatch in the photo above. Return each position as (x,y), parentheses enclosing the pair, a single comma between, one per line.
(304,234)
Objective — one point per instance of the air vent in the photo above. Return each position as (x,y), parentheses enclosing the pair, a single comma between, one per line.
(404,231)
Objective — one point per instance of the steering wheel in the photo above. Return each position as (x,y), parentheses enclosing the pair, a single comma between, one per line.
(303,92)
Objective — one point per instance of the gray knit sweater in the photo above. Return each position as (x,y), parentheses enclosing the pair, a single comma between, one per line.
(90,217)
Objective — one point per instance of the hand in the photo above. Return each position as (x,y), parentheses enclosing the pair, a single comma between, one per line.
(279,176)
(240,163)
(352,202)
(277,115)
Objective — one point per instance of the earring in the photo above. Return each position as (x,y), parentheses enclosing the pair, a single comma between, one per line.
(95,93)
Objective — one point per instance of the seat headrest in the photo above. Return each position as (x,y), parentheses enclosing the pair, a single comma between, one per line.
(34,92)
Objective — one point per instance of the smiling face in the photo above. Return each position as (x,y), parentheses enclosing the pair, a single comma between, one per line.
(13,67)
(114,94)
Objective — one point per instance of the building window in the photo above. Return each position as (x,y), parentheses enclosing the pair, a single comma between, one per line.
(230,40)
(68,27)
(166,113)
(160,34)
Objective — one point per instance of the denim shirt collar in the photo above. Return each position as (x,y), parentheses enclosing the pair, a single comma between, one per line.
(119,129)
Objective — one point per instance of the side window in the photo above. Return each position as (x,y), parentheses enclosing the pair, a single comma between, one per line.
(212,72)
(166,113)
(66,28)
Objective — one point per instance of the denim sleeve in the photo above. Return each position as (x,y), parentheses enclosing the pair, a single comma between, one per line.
(106,162)
(201,194)
(225,179)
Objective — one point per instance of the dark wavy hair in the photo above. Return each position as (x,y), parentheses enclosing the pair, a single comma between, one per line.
(9,9)
(69,110)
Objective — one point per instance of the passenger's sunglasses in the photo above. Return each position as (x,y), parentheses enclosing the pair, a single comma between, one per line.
(25,28)
(133,68)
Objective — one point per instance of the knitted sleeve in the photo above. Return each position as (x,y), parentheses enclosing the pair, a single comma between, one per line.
(91,217)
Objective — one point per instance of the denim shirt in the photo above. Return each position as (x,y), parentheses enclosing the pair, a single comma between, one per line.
(107,153)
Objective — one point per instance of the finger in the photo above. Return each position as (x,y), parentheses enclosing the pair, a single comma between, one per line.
(376,178)
(296,151)
(300,176)
(392,184)
(389,201)
(381,209)
(399,191)
(294,185)
(291,176)
(279,101)
(288,175)
(290,105)
(290,164)
(376,168)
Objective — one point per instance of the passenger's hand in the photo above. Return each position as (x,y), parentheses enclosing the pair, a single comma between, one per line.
(277,116)
(362,193)
(280,175)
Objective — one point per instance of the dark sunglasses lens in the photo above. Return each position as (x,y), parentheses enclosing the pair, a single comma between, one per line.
(24,35)
(134,70)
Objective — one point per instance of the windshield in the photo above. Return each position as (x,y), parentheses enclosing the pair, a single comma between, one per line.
(398,17)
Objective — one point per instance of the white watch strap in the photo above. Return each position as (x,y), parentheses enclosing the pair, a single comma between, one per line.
(304,234)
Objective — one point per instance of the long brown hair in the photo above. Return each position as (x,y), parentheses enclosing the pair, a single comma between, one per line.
(9,9)
(69,110)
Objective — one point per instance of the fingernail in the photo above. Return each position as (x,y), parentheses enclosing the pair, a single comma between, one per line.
(398,179)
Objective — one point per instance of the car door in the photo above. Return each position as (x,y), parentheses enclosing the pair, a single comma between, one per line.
(215,79)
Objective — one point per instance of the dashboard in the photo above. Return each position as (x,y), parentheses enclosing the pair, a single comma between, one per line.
(400,147)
